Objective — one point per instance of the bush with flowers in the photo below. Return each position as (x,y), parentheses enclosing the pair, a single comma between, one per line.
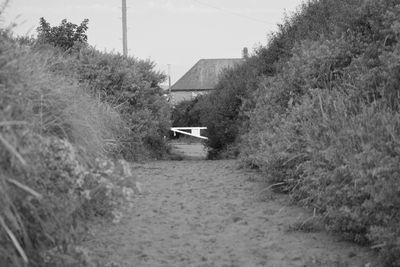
(54,195)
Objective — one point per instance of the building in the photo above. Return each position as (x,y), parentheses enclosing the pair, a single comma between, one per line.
(201,78)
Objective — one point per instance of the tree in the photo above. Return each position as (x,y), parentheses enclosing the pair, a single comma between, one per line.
(65,36)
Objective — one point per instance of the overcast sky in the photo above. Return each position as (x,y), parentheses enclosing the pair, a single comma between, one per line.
(176,32)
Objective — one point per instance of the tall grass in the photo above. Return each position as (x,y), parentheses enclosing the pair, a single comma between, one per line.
(51,131)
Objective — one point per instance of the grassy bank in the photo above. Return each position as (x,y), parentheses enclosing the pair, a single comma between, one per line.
(68,119)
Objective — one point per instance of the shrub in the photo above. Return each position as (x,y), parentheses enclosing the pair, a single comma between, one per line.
(131,86)
(351,174)
(66,195)
(325,125)
(185,113)
(65,36)
(220,112)
(233,99)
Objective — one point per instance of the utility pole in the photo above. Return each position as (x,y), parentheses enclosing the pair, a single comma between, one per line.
(169,84)
(169,78)
(124,30)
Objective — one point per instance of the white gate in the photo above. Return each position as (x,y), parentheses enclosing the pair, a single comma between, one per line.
(194,131)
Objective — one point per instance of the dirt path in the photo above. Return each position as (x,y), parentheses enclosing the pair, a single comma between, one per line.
(208,213)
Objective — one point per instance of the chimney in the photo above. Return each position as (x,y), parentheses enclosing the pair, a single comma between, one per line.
(245,52)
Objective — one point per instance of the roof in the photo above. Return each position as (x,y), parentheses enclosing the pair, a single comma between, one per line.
(204,74)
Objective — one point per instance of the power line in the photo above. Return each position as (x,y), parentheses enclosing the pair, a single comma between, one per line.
(230,12)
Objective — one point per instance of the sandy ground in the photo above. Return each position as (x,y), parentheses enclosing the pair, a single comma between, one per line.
(189,151)
(210,213)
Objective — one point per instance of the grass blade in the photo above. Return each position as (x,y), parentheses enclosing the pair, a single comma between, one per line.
(12,123)
(25,188)
(14,240)
(12,150)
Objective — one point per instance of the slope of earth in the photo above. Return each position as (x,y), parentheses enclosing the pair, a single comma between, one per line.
(210,213)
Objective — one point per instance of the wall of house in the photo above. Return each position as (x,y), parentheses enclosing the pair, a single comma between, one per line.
(179,96)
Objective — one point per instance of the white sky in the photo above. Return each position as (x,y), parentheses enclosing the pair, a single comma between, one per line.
(176,32)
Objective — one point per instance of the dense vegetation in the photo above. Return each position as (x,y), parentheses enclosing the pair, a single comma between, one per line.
(128,85)
(317,111)
(65,110)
